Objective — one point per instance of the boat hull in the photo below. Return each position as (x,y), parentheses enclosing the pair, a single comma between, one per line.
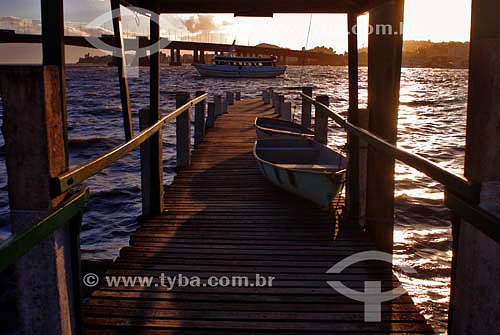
(317,184)
(233,71)
(270,128)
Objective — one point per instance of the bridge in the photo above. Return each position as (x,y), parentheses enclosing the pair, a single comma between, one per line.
(199,49)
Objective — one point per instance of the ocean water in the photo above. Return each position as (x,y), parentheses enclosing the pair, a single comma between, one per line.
(431,122)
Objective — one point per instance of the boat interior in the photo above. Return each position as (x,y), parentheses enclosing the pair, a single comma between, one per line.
(278,124)
(299,154)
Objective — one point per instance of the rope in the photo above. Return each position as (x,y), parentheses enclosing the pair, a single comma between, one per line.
(305,48)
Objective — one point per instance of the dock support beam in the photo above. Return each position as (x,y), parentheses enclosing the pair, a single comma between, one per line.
(321,120)
(183,132)
(353,164)
(122,71)
(306,107)
(47,284)
(152,149)
(475,296)
(384,72)
(199,120)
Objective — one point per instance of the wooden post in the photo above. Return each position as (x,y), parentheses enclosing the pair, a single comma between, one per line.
(149,175)
(122,71)
(270,96)
(199,121)
(321,120)
(211,115)
(53,52)
(352,188)
(306,107)
(230,98)
(152,149)
(281,101)
(183,132)
(238,95)
(286,111)
(218,104)
(384,71)
(224,106)
(265,96)
(475,298)
(35,153)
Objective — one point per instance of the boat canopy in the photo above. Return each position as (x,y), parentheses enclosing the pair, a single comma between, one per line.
(244,61)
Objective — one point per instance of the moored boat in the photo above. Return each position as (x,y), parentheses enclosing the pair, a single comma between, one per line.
(303,167)
(241,67)
(266,127)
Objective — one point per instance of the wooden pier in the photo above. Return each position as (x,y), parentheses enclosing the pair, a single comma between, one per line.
(222,218)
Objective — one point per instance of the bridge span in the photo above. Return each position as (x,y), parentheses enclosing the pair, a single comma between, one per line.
(200,49)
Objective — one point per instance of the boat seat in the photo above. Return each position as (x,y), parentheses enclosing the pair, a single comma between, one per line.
(287,149)
(311,166)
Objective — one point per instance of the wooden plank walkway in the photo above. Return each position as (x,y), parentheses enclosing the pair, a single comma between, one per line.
(223,219)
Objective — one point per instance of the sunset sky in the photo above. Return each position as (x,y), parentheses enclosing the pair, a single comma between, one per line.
(441,20)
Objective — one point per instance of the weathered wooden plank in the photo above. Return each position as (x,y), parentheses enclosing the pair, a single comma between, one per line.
(223,218)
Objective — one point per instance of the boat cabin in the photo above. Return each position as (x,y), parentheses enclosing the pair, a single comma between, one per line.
(244,61)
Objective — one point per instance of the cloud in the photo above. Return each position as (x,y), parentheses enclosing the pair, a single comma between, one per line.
(202,24)
(28,26)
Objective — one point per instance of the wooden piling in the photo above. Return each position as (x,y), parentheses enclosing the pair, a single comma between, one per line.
(475,297)
(210,115)
(122,71)
(237,95)
(199,120)
(148,189)
(281,101)
(353,166)
(47,283)
(224,106)
(230,98)
(183,132)
(152,167)
(265,97)
(306,107)
(384,71)
(286,111)
(218,104)
(321,120)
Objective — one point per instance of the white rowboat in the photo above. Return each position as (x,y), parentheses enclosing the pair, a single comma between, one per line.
(280,129)
(303,167)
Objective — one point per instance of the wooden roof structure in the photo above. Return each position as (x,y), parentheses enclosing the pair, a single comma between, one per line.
(256,7)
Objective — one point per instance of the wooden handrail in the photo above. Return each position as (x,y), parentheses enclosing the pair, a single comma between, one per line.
(454,183)
(20,243)
(79,174)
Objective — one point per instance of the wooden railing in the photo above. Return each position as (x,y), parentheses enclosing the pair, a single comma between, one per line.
(461,195)
(79,174)
(20,243)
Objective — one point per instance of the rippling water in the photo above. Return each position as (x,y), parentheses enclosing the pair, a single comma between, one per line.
(431,123)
